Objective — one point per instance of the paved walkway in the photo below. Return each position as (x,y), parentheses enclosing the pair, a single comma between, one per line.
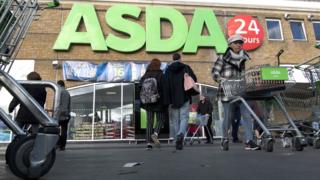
(106,161)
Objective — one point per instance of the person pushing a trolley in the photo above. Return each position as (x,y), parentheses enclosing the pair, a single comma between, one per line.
(231,65)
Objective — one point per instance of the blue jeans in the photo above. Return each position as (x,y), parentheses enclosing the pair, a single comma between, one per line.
(229,115)
(180,117)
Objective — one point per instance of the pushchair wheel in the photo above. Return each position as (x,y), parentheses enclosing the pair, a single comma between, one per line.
(268,145)
(296,144)
(19,159)
(11,147)
(316,143)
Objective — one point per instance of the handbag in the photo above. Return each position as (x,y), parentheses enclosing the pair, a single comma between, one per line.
(188,82)
(190,85)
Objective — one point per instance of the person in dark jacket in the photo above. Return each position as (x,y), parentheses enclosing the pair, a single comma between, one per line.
(205,109)
(64,115)
(159,107)
(179,98)
(24,116)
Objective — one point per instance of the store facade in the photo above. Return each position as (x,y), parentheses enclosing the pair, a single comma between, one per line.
(104,33)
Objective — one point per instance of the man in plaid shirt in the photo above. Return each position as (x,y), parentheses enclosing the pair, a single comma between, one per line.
(231,65)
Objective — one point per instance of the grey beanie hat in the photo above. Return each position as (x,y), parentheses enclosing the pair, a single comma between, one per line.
(235,38)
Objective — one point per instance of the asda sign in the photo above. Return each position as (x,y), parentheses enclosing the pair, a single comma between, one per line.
(123,18)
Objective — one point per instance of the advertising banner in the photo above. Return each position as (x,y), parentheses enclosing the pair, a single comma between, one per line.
(79,71)
(107,72)
(114,72)
(117,72)
(138,70)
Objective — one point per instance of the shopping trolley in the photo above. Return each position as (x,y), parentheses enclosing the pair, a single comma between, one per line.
(264,83)
(196,124)
(304,99)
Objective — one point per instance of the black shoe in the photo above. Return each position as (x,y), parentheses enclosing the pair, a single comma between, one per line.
(149,147)
(225,145)
(179,142)
(209,142)
(62,148)
(250,145)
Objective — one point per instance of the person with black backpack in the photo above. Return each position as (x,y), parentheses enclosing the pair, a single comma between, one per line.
(152,97)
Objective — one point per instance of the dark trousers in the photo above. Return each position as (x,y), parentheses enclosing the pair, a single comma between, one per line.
(150,119)
(208,130)
(236,123)
(63,133)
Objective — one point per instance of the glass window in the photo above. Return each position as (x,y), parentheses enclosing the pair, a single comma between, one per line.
(128,125)
(102,111)
(274,29)
(80,125)
(316,28)
(108,111)
(298,31)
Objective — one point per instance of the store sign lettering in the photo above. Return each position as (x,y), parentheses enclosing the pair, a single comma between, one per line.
(116,17)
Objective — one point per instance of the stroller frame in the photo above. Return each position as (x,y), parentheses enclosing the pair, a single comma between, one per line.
(199,124)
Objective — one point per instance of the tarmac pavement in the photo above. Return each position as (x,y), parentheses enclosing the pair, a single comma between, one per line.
(105,161)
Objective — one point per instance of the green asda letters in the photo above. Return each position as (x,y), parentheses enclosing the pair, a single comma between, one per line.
(136,36)
(93,36)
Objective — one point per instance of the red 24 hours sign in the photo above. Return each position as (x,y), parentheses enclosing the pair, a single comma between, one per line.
(249,28)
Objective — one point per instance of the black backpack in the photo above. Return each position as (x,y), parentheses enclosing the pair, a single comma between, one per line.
(149,91)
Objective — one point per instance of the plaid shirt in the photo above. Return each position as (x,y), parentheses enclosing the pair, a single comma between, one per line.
(225,67)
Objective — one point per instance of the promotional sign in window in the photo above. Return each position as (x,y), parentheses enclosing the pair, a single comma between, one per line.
(249,28)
